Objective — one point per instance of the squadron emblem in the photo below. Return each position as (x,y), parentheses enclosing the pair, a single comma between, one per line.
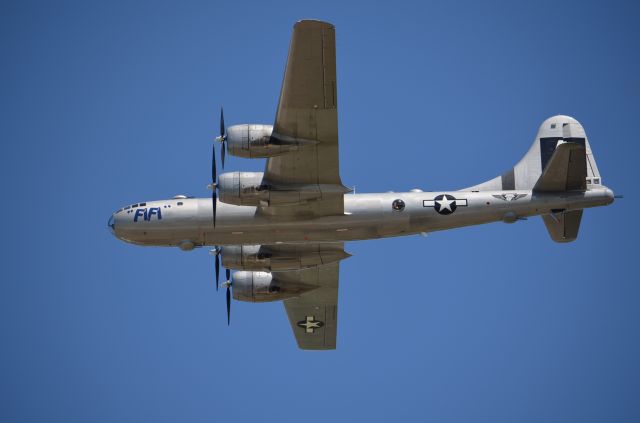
(445,203)
(509,197)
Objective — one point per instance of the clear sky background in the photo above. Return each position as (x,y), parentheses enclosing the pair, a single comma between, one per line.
(103,104)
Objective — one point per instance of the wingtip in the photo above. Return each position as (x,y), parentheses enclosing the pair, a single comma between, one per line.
(313,22)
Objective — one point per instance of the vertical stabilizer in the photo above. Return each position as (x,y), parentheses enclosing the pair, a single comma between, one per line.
(553,132)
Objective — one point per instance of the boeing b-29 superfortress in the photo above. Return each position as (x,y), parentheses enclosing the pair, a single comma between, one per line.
(284,229)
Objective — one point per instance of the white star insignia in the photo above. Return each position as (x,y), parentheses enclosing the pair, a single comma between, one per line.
(445,203)
(309,324)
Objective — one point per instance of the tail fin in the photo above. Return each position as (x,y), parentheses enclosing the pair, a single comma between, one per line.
(553,132)
(559,160)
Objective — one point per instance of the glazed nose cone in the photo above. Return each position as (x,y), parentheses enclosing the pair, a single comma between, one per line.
(112,225)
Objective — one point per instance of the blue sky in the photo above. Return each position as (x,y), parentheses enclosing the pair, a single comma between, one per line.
(108,103)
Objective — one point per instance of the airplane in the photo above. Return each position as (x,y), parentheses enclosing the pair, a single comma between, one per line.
(284,229)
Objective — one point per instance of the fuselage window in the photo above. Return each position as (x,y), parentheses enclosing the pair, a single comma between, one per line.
(397,205)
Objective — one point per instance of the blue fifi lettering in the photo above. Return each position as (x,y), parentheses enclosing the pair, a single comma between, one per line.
(147,214)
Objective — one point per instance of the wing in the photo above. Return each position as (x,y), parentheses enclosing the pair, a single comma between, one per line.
(314,314)
(307,115)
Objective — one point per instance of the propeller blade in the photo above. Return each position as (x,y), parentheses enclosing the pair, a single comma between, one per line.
(223,151)
(217,269)
(214,170)
(228,304)
(222,129)
(222,138)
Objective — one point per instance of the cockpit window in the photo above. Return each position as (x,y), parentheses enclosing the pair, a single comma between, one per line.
(143,204)
(127,208)
(134,206)
(179,203)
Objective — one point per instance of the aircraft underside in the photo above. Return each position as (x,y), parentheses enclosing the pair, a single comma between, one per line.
(366,216)
(284,229)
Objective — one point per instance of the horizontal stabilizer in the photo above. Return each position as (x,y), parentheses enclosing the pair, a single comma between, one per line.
(563,227)
(566,170)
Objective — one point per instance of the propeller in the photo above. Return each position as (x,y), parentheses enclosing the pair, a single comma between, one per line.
(222,138)
(213,186)
(216,253)
(228,284)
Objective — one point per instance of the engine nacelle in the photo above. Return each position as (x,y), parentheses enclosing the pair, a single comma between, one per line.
(280,258)
(258,141)
(249,189)
(242,188)
(263,286)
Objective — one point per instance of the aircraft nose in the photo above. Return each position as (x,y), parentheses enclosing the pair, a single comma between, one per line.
(112,224)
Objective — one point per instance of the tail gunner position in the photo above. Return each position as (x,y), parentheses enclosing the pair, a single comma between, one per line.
(284,229)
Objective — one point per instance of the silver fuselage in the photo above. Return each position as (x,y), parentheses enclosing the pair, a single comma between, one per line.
(188,222)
